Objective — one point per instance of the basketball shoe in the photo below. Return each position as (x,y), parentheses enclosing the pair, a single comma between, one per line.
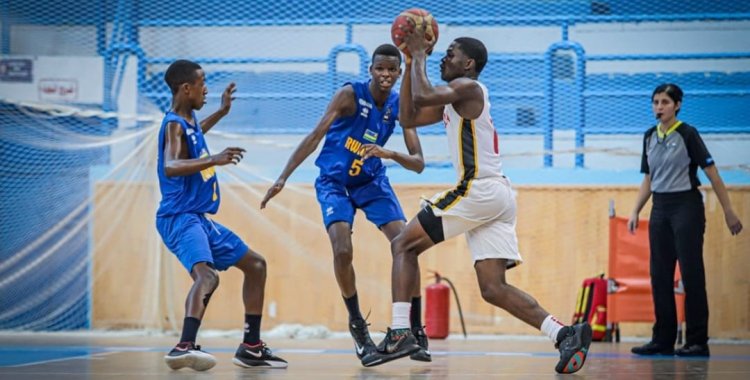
(396,344)
(573,348)
(187,354)
(423,354)
(363,344)
(258,355)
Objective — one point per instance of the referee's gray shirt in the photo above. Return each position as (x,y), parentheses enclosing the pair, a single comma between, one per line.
(673,160)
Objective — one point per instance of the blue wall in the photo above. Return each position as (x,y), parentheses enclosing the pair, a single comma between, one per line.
(87,11)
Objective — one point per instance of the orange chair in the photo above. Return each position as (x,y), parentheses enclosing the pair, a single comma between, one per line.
(629,290)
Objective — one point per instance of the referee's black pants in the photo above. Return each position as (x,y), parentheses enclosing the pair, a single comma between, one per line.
(676,229)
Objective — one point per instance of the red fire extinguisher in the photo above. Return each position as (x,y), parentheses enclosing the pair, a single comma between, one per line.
(437,308)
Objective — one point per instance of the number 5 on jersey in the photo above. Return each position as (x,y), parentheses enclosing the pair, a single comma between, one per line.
(356,167)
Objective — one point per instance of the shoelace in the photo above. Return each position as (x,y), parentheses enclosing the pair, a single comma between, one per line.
(264,348)
(365,319)
(571,332)
(190,346)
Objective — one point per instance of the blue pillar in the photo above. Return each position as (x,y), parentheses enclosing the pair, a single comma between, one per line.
(5,19)
(345,48)
(580,87)
(549,93)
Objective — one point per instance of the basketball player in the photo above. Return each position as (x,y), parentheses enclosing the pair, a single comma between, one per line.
(482,204)
(357,123)
(190,190)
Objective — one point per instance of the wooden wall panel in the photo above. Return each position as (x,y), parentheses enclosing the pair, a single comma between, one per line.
(562,233)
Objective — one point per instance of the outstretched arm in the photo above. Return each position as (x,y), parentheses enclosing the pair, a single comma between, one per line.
(341,105)
(413,161)
(733,222)
(176,161)
(226,104)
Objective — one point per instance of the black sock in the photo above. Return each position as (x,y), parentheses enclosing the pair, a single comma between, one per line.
(563,333)
(252,329)
(190,329)
(352,305)
(415,317)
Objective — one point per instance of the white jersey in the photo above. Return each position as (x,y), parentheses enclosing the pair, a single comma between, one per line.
(474,150)
(482,205)
(473,143)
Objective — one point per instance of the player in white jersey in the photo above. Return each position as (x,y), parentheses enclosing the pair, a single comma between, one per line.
(481,205)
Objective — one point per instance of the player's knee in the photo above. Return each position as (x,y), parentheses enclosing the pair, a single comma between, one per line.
(342,257)
(209,279)
(258,266)
(401,246)
(493,293)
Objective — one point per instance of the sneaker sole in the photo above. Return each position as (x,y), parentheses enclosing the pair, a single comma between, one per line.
(391,357)
(202,362)
(576,361)
(267,364)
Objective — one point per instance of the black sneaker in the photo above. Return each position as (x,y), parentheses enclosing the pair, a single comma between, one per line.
(574,348)
(396,344)
(258,355)
(423,355)
(363,344)
(651,348)
(694,350)
(187,354)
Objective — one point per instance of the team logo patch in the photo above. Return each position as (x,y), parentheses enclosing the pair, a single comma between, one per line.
(387,115)
(370,136)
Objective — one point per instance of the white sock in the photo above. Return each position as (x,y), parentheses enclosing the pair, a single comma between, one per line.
(551,326)
(400,319)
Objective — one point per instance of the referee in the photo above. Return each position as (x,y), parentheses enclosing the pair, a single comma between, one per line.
(672,153)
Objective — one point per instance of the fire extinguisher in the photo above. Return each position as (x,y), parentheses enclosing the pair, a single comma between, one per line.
(437,308)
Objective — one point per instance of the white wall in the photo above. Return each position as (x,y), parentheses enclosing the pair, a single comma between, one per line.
(83,75)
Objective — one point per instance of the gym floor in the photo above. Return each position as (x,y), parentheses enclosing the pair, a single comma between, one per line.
(107,356)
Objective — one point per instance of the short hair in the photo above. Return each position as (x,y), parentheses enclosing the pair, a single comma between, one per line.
(672,90)
(179,72)
(475,49)
(387,50)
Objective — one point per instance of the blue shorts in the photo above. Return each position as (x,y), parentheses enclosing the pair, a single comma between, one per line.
(193,238)
(376,198)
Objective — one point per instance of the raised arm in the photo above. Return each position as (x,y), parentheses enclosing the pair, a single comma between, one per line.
(733,222)
(462,92)
(409,115)
(341,105)
(226,104)
(176,161)
(459,92)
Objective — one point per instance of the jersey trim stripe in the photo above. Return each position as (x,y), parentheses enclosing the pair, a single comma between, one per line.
(468,153)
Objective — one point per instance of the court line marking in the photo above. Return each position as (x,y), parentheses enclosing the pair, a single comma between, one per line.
(77,357)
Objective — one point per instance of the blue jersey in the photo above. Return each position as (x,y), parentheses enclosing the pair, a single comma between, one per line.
(341,156)
(194,193)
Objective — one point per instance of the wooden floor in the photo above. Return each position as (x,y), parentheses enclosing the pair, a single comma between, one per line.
(53,356)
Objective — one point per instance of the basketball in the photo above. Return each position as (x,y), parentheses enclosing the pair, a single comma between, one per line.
(410,18)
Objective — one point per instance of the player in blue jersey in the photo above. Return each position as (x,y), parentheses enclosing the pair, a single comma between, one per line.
(189,189)
(357,123)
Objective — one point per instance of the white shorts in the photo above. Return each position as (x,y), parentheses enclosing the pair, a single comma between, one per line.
(486,214)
